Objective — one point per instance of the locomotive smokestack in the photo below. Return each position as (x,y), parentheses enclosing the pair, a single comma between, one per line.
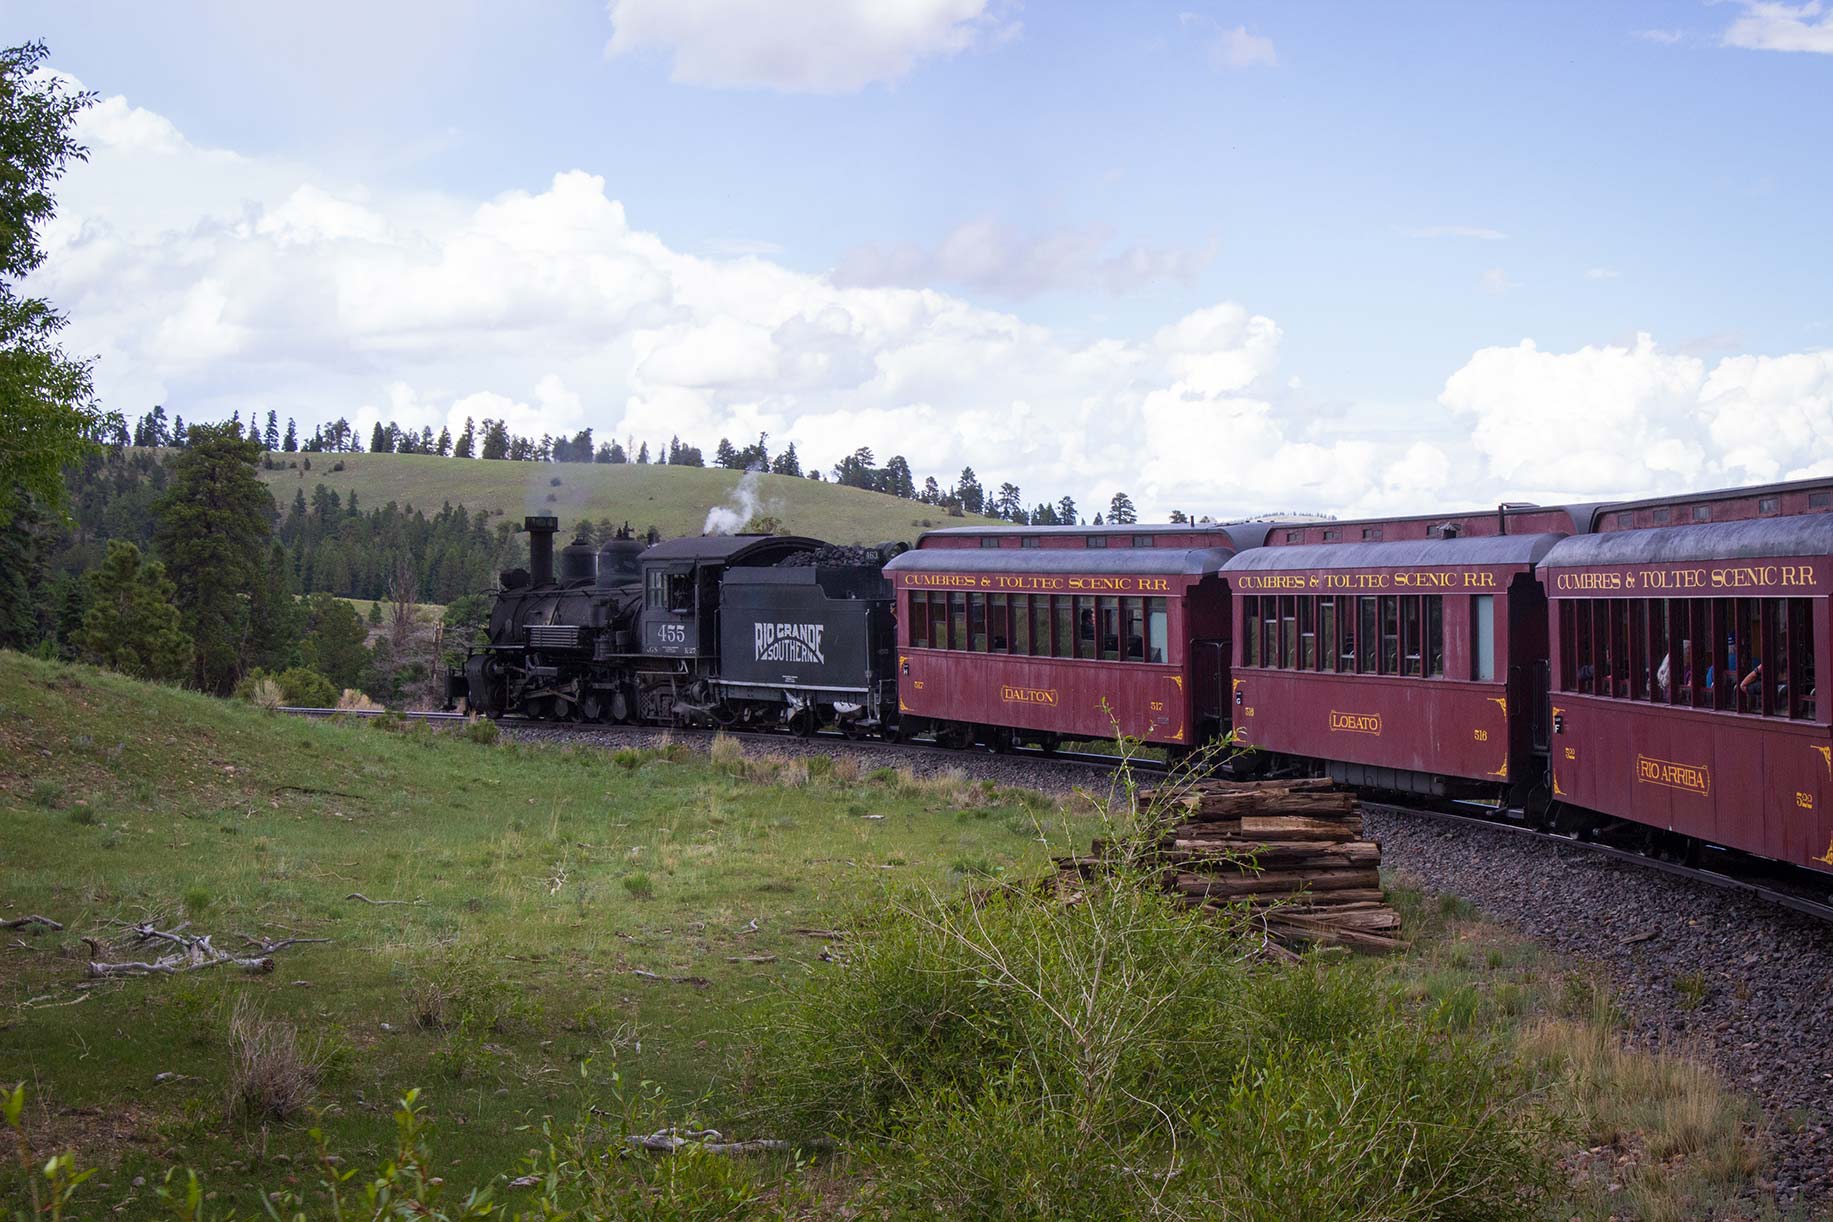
(541,548)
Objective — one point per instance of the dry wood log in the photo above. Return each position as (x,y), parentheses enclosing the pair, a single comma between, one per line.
(1322,852)
(1301,827)
(1277,881)
(1197,792)
(31,919)
(1236,805)
(1311,899)
(667,1141)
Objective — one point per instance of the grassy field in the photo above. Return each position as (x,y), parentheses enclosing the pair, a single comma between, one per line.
(540,882)
(675,500)
(543,908)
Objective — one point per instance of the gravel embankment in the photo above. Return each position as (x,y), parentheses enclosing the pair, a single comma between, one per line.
(1766,1016)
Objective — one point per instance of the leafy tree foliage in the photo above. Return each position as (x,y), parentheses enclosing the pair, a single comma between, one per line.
(47,403)
(132,624)
(335,643)
(212,534)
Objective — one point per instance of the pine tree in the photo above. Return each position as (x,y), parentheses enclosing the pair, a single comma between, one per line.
(642,454)
(132,625)
(1006,505)
(898,481)
(212,533)
(1066,511)
(969,492)
(787,463)
(270,436)
(181,436)
(291,443)
(496,440)
(1098,521)
(375,613)
(273,615)
(443,446)
(378,440)
(1120,510)
(1179,517)
(335,641)
(725,456)
(467,441)
(932,491)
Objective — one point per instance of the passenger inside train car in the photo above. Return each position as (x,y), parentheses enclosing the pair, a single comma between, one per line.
(1687,662)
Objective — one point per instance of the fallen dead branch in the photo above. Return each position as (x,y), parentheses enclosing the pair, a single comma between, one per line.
(190,953)
(31,919)
(667,1141)
(358,895)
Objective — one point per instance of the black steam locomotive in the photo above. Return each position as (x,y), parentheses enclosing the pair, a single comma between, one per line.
(724,630)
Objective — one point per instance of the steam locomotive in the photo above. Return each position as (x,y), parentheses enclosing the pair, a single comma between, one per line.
(745,631)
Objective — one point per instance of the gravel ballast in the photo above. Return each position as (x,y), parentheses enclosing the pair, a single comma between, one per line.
(1765,1017)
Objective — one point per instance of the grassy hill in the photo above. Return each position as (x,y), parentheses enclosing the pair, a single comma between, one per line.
(675,500)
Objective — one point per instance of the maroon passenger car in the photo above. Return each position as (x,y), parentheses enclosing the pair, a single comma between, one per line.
(1686,663)
(1046,634)
(1413,665)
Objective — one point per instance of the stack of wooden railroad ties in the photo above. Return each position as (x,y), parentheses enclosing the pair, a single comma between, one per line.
(1291,851)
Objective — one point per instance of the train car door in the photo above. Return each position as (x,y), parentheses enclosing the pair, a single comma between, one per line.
(1528,675)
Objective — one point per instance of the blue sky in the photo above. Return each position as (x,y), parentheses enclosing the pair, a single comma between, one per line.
(1302,240)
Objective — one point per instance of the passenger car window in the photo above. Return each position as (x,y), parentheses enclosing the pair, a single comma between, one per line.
(1483,638)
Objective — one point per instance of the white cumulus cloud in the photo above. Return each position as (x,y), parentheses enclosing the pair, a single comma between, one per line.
(1637,419)
(212,282)
(801,46)
(1767,26)
(996,259)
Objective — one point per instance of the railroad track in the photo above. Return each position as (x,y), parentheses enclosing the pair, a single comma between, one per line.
(1780,896)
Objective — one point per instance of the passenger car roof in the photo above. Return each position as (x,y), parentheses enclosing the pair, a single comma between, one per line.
(1116,561)
(1802,535)
(1402,553)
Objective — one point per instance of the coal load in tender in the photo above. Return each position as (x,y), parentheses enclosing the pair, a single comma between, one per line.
(837,556)
(1291,850)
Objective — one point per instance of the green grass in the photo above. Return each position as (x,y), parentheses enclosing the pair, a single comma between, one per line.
(675,500)
(541,880)
(636,912)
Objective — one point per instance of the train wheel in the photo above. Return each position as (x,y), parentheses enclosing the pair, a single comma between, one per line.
(802,723)
(592,708)
(955,737)
(891,733)
(999,741)
(620,707)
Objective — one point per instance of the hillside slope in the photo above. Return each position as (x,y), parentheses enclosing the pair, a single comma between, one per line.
(675,500)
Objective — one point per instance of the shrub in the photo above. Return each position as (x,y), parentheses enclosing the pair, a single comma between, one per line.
(639,885)
(270,1076)
(306,688)
(353,701)
(1012,1055)
(481,730)
(726,752)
